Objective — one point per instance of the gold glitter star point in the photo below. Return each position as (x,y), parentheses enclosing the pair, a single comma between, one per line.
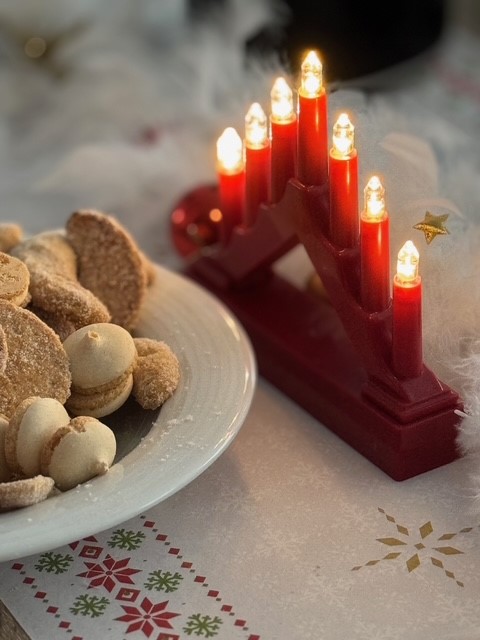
(432,226)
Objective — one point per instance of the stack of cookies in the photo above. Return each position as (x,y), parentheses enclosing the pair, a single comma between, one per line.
(70,300)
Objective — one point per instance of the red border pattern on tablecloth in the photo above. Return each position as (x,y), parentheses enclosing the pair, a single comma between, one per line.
(105,590)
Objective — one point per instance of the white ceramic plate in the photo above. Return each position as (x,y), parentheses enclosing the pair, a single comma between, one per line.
(189,432)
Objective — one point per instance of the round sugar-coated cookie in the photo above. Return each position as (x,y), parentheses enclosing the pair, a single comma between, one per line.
(25,492)
(78,452)
(14,280)
(54,287)
(156,374)
(37,363)
(34,420)
(110,264)
(10,235)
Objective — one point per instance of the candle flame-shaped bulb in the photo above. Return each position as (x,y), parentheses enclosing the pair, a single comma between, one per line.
(374,200)
(230,152)
(407,264)
(282,102)
(256,127)
(343,137)
(312,77)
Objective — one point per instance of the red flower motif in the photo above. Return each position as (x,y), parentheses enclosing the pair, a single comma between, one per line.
(106,575)
(141,620)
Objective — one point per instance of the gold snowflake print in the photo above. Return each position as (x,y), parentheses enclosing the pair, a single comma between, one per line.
(418,546)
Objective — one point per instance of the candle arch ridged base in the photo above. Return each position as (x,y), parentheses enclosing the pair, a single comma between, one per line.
(325,352)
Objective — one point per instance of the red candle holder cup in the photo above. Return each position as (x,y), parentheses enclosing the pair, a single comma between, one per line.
(326,352)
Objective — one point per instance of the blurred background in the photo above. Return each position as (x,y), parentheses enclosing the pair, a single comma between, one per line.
(116,104)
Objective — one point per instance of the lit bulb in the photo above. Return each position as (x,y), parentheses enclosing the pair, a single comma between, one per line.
(230,152)
(374,200)
(282,102)
(256,129)
(407,264)
(343,137)
(311,82)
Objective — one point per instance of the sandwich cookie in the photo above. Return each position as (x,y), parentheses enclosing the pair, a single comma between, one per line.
(102,357)
(33,422)
(78,452)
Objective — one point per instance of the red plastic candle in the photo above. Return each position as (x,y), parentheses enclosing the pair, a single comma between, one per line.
(312,165)
(407,349)
(375,249)
(283,125)
(343,169)
(257,162)
(231,182)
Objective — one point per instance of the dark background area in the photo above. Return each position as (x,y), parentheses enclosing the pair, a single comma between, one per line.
(357,38)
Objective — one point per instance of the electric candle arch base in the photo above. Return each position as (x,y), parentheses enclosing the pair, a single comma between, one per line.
(341,362)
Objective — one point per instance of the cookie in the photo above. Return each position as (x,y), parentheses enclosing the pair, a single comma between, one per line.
(54,287)
(3,350)
(156,373)
(32,423)
(10,235)
(78,452)
(5,472)
(110,264)
(37,363)
(14,280)
(24,493)
(102,357)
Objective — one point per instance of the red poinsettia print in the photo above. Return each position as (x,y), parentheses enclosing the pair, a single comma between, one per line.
(147,616)
(109,573)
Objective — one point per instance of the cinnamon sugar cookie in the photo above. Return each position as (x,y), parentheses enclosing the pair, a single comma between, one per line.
(110,264)
(37,363)
(24,493)
(54,287)
(10,235)
(14,280)
(156,373)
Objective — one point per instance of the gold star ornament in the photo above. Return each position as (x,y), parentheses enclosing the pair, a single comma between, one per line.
(432,226)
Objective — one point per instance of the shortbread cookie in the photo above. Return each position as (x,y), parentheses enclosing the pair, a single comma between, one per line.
(78,452)
(110,264)
(5,472)
(37,363)
(156,373)
(54,286)
(31,425)
(102,357)
(14,280)
(24,493)
(10,235)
